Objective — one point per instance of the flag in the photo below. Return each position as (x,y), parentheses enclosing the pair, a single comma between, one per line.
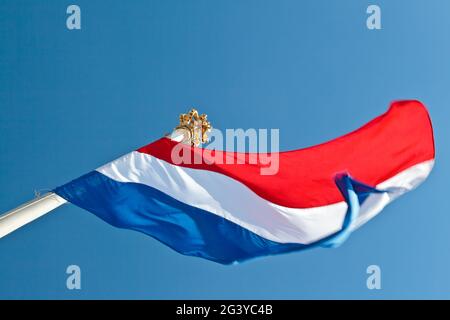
(229,212)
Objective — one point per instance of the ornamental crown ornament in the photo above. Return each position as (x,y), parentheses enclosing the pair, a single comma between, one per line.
(196,125)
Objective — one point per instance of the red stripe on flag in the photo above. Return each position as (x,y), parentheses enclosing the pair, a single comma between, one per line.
(387,145)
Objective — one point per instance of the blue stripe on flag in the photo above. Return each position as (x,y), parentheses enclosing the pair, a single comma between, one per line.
(186,229)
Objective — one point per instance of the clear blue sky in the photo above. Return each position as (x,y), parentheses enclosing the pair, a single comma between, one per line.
(71,101)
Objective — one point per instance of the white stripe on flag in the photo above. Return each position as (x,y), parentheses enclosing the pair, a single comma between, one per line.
(232,200)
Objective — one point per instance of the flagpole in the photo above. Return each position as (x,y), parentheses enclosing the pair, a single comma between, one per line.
(31,210)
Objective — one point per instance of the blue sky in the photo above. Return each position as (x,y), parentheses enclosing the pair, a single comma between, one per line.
(71,100)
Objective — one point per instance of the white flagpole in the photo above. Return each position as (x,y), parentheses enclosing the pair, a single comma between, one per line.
(29,211)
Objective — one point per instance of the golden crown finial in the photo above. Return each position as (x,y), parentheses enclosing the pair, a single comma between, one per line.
(197,125)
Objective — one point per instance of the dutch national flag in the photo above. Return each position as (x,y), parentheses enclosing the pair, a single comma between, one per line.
(230,212)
